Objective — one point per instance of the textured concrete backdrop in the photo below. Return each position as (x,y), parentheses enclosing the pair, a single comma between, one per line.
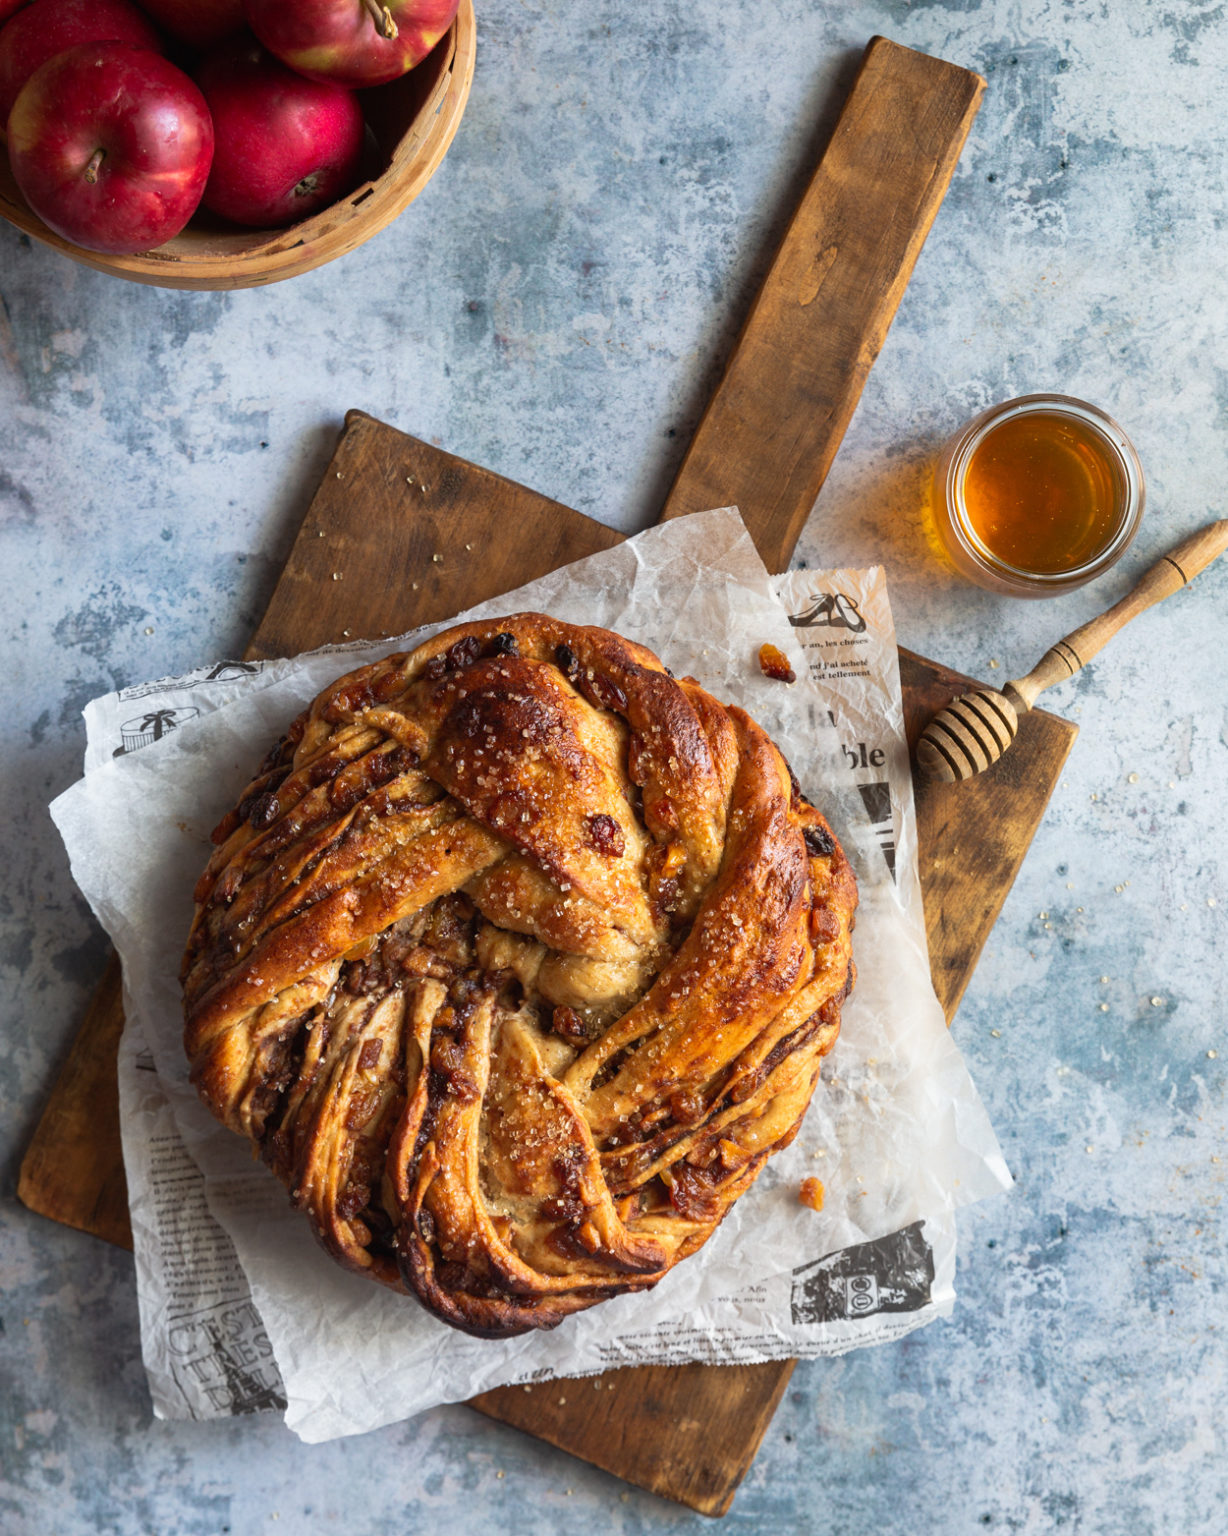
(556,306)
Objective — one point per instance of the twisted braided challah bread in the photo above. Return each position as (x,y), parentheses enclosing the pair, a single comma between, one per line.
(516,962)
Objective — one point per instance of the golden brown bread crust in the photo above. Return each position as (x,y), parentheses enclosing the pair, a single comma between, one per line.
(516,962)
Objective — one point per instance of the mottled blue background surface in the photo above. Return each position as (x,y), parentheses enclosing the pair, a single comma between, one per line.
(556,306)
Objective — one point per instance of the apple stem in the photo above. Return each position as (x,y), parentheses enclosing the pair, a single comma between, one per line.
(91,170)
(382,17)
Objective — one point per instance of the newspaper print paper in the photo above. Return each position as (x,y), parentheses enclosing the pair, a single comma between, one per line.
(896,1132)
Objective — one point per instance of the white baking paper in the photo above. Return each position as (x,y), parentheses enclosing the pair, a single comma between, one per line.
(896,1131)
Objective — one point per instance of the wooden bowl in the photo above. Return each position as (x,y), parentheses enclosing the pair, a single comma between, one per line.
(413,121)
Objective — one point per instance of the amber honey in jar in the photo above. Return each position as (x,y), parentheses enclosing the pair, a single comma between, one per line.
(1038,495)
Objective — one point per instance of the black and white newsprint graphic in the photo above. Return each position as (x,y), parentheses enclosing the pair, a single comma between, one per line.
(206,1352)
(162,702)
(120,724)
(143,730)
(843,620)
(866,1293)
(891,1274)
(223,1355)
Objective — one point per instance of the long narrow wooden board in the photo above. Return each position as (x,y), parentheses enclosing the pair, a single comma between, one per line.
(770,432)
(389,505)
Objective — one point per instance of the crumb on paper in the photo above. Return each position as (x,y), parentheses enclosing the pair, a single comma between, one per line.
(774,663)
(811,1193)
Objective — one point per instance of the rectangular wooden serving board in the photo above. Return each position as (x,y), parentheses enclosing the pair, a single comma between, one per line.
(389,505)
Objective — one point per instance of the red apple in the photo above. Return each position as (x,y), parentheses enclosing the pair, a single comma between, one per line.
(111,145)
(48,27)
(354,42)
(284,146)
(199,22)
(10,8)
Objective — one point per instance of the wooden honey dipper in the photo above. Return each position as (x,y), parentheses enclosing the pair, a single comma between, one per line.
(968,735)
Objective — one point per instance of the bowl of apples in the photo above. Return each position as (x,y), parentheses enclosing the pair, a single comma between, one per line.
(214,144)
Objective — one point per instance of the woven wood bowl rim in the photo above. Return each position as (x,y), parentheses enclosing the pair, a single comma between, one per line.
(237,258)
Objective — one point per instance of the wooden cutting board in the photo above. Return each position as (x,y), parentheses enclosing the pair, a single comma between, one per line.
(402,533)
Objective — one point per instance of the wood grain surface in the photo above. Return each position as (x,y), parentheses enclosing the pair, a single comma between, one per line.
(771,431)
(389,505)
(968,865)
(73,1170)
(401,533)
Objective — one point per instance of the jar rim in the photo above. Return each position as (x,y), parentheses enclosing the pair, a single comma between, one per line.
(974,433)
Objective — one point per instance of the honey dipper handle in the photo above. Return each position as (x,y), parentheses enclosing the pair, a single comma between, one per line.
(1170,573)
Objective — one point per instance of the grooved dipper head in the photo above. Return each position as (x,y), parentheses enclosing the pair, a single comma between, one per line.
(967,736)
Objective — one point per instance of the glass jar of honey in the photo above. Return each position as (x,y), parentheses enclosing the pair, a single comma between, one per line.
(1038,495)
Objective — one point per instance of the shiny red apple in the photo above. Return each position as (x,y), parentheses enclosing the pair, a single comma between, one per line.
(10,8)
(284,146)
(354,42)
(48,27)
(199,22)
(111,145)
